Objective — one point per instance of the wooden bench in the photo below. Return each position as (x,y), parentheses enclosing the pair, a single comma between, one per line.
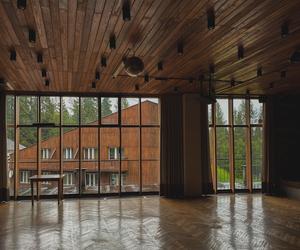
(51,177)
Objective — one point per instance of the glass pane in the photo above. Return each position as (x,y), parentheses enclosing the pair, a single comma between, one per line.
(70,158)
(209,113)
(257,153)
(130,167)
(70,109)
(222,112)
(223,170)
(10,110)
(50,158)
(10,147)
(27,159)
(256,112)
(89,110)
(150,159)
(89,156)
(130,111)
(240,140)
(239,111)
(50,110)
(211,151)
(28,109)
(109,160)
(150,111)
(109,110)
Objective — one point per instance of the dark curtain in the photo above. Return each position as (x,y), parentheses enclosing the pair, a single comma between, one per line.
(171,146)
(270,175)
(207,185)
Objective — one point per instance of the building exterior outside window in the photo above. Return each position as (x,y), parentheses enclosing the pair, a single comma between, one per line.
(24,176)
(68,153)
(90,153)
(91,179)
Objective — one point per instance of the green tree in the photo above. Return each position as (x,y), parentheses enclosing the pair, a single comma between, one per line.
(89,110)
(106,106)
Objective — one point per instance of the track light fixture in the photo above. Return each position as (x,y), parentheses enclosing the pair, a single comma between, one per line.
(47,82)
(136,87)
(21,4)
(103,61)
(126,10)
(180,48)
(93,85)
(32,35)
(39,58)
(232,82)
(283,74)
(112,42)
(97,75)
(160,66)
(259,71)
(146,78)
(44,72)
(284,30)
(210,19)
(240,52)
(13,55)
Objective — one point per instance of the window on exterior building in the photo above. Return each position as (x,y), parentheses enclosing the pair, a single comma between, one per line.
(46,153)
(68,179)
(91,179)
(113,153)
(90,153)
(68,153)
(24,176)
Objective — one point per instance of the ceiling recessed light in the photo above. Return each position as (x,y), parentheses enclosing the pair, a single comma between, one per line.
(126,10)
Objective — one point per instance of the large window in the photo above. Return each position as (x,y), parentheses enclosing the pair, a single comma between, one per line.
(235,136)
(102,144)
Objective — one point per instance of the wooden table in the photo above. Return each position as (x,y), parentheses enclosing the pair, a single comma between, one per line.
(51,177)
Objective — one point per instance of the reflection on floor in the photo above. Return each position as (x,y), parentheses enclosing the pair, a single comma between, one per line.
(216,222)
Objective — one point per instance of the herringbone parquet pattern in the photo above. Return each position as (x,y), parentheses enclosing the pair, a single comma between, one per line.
(216,222)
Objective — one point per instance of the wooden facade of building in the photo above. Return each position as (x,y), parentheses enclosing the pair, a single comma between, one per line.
(132,151)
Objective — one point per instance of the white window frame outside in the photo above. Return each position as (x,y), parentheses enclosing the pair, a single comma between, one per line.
(24,176)
(91,179)
(68,153)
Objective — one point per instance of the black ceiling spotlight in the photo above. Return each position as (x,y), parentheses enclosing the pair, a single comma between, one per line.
(232,82)
(295,57)
(44,72)
(284,30)
(103,61)
(126,10)
(211,19)
(112,42)
(21,4)
(93,85)
(283,74)
(160,66)
(146,78)
(240,52)
(39,57)
(259,71)
(212,68)
(47,82)
(180,48)
(97,75)
(136,87)
(13,55)
(32,35)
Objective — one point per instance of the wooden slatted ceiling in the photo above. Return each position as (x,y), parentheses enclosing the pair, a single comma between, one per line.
(72,35)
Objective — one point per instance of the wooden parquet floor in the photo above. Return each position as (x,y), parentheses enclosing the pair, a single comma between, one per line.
(217,222)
